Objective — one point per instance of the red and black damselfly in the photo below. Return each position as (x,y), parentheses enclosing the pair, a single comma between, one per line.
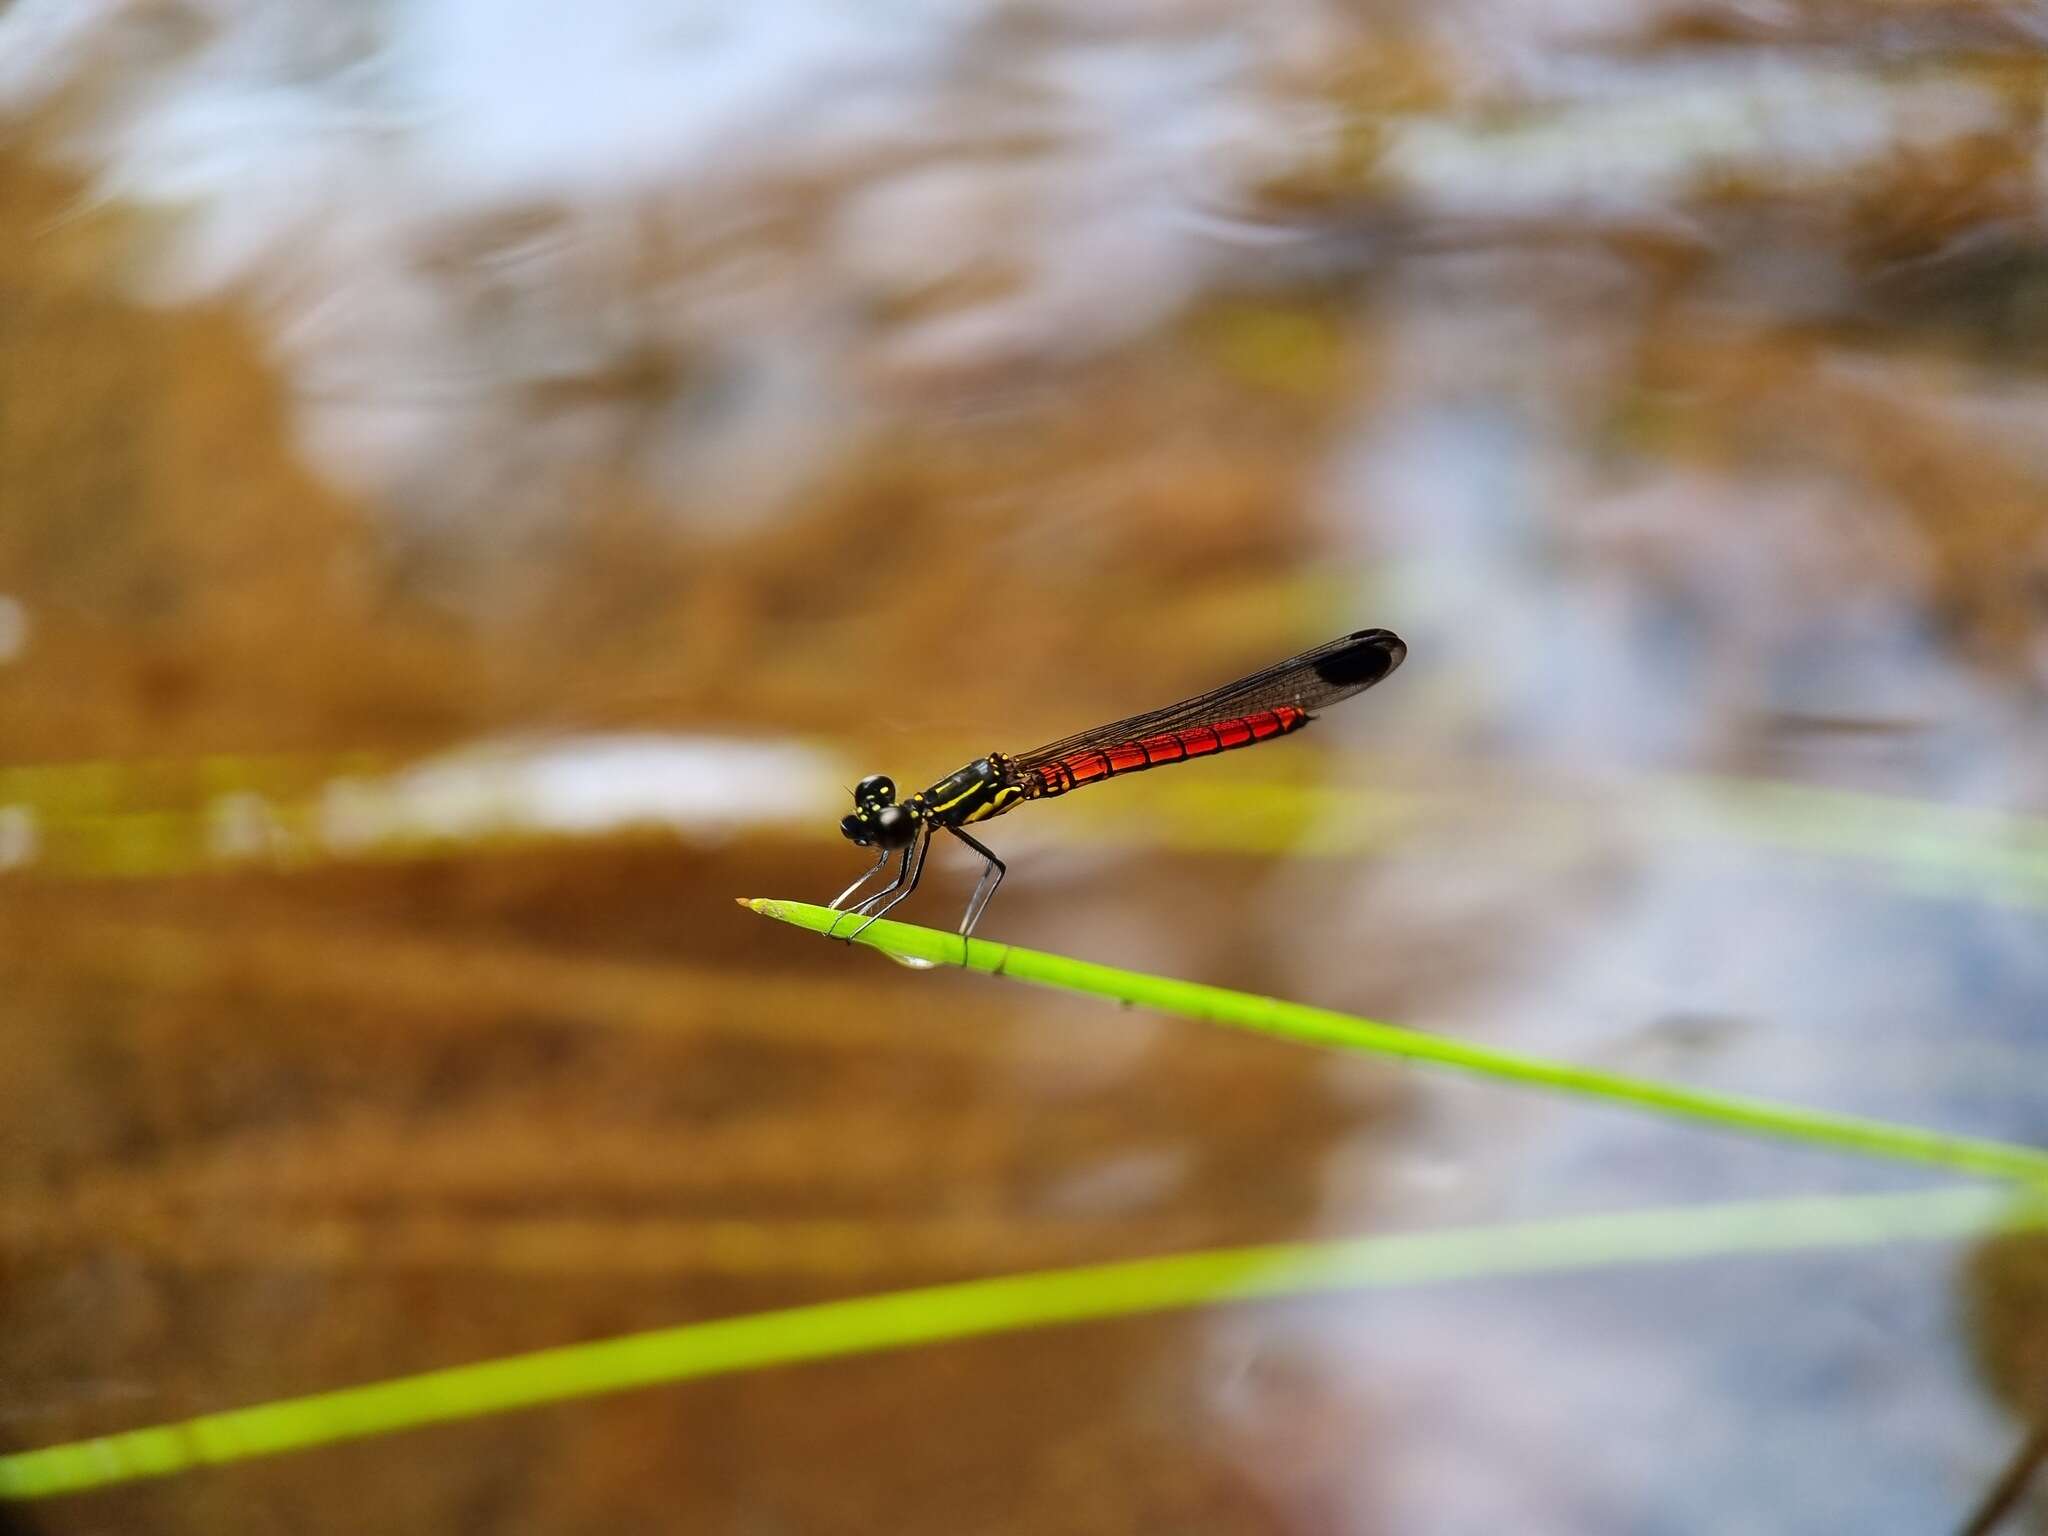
(1280,700)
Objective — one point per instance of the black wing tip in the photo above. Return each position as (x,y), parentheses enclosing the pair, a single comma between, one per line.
(1362,659)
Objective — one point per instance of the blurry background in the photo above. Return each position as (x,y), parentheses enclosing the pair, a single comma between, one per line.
(477,480)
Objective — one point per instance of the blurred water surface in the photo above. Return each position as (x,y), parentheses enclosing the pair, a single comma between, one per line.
(476,481)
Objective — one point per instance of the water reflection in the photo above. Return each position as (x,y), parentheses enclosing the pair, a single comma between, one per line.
(941,380)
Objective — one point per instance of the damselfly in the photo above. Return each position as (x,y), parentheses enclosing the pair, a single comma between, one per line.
(1275,702)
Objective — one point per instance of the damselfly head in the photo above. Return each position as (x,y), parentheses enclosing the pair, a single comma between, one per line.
(894,826)
(877,820)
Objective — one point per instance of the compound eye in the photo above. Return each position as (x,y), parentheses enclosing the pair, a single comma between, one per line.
(875,789)
(894,826)
(854,830)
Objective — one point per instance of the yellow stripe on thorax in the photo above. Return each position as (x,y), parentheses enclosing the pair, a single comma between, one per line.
(1006,795)
(947,805)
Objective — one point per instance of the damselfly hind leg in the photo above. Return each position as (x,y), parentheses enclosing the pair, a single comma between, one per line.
(904,883)
(992,871)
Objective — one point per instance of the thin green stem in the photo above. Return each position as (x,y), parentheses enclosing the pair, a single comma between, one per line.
(1009,1304)
(1338,1031)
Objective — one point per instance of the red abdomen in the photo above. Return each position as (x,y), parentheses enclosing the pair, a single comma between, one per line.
(1092,763)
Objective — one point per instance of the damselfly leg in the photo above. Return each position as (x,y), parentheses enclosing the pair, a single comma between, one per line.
(872,870)
(905,882)
(902,872)
(909,869)
(992,871)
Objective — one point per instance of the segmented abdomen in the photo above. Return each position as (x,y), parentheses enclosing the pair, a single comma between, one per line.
(1092,763)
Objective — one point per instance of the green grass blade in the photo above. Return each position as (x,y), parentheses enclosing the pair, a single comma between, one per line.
(1318,1026)
(976,1308)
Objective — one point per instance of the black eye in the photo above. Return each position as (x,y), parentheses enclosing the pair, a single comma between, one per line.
(854,830)
(894,826)
(875,789)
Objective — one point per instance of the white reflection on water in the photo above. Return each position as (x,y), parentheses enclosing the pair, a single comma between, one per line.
(1620,143)
(499,247)
(581,786)
(495,245)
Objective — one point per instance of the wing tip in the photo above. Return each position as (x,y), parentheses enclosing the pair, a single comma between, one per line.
(1362,658)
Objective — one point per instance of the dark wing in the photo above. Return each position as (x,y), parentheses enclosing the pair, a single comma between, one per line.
(1312,681)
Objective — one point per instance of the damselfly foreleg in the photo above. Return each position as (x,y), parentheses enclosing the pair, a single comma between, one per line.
(873,869)
(893,885)
(902,886)
(902,873)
